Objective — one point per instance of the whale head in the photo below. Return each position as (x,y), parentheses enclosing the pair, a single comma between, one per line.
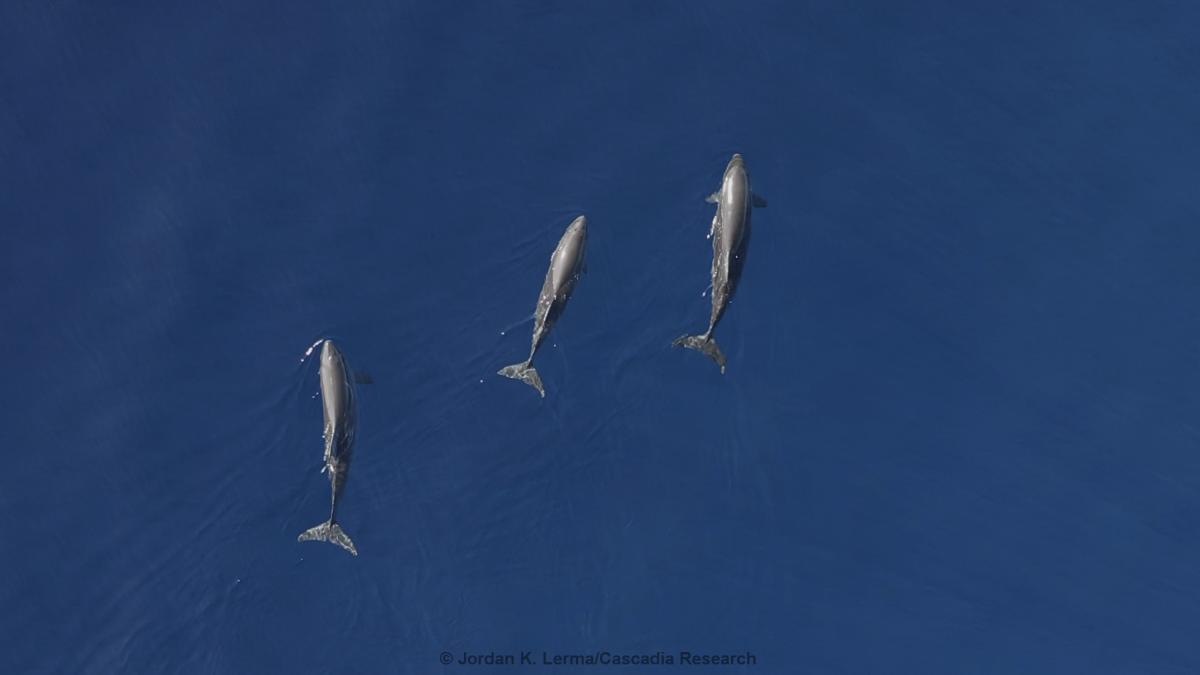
(329,351)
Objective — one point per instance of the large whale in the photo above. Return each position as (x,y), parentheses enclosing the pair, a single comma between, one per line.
(337,398)
(566,264)
(729,224)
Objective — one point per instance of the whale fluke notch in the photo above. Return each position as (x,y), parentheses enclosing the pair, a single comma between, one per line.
(705,344)
(331,532)
(526,373)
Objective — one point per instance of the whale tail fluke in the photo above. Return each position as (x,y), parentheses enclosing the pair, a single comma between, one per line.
(329,531)
(525,373)
(702,343)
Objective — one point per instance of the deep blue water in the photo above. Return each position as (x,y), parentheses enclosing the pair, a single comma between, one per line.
(958,429)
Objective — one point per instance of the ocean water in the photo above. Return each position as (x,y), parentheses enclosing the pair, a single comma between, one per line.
(957,433)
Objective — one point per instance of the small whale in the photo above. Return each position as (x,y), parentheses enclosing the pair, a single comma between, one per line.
(566,264)
(729,225)
(337,399)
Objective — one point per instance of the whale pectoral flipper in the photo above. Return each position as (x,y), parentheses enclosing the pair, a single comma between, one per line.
(700,343)
(526,373)
(331,532)
(713,198)
(757,201)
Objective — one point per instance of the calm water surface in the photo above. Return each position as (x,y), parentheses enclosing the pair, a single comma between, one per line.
(958,429)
